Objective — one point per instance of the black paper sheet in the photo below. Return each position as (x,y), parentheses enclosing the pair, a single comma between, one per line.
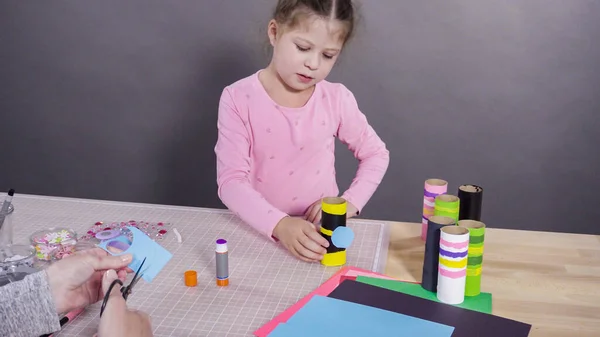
(466,323)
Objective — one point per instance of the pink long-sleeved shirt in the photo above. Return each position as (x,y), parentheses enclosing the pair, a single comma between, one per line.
(275,161)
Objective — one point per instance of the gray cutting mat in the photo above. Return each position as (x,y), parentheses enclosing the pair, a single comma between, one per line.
(264,278)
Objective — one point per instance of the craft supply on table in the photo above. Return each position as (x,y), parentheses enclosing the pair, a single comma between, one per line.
(267,279)
(325,316)
(142,248)
(466,323)
(5,208)
(481,302)
(471,199)
(190,278)
(454,245)
(447,205)
(333,228)
(432,251)
(324,289)
(475,258)
(54,243)
(222,263)
(433,188)
(154,230)
(13,257)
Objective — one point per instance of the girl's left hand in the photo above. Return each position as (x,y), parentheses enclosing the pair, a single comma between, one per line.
(313,213)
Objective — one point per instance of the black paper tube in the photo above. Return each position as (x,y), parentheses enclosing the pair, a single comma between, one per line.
(471,198)
(432,251)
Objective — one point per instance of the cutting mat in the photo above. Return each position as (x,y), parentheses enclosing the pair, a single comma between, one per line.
(264,278)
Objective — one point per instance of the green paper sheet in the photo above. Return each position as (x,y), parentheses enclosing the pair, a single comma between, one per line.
(481,302)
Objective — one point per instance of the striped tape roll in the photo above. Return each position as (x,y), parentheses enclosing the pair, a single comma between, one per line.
(447,205)
(433,188)
(475,259)
(452,267)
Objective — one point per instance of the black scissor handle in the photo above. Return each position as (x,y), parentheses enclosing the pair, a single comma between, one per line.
(107,295)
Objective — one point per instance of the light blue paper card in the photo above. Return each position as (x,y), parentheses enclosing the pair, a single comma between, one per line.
(141,247)
(286,330)
(326,317)
(342,237)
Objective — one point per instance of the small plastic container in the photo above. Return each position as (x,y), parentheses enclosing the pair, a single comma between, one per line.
(15,257)
(6,232)
(54,243)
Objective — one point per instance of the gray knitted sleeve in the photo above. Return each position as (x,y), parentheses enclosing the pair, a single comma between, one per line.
(27,308)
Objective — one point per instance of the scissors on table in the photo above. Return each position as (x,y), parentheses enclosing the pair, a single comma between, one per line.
(125,290)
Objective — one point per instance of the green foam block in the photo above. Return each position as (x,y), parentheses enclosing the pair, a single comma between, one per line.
(481,302)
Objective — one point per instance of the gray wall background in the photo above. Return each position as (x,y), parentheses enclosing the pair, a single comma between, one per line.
(117,100)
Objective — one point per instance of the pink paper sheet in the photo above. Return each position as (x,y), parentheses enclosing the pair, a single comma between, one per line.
(325,289)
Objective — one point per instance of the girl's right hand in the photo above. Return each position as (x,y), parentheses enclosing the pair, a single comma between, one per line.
(301,238)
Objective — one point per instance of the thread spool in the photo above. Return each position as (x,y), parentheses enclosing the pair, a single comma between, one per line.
(333,215)
(433,188)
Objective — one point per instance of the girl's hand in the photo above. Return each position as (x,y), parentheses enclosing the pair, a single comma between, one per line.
(313,213)
(301,238)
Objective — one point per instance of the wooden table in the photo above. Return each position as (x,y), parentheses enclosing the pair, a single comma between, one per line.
(549,280)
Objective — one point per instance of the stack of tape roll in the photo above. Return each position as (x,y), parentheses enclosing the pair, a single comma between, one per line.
(433,188)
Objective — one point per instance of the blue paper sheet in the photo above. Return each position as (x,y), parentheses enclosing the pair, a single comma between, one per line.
(325,317)
(142,247)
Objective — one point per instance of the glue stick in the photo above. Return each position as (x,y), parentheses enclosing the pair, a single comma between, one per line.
(222,259)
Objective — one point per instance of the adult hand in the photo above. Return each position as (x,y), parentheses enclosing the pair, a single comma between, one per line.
(76,280)
(313,213)
(117,320)
(301,238)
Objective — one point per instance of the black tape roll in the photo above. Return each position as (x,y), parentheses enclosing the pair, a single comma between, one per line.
(432,250)
(471,198)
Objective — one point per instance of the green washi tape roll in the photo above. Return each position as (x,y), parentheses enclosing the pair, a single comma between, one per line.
(447,205)
(475,255)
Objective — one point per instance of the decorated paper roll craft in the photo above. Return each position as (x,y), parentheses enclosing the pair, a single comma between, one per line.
(432,250)
(475,259)
(454,245)
(471,198)
(447,205)
(333,228)
(433,188)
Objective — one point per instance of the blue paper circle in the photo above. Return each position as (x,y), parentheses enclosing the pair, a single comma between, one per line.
(342,237)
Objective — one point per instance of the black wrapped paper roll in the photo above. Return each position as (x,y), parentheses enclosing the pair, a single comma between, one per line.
(432,250)
(471,198)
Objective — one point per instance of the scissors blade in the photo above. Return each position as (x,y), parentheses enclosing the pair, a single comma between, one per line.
(135,277)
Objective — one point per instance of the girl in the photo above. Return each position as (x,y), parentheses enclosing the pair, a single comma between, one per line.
(277,129)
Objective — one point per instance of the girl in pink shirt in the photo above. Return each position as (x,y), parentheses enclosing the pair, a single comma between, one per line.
(277,130)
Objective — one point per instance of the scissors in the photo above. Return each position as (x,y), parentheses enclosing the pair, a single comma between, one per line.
(125,290)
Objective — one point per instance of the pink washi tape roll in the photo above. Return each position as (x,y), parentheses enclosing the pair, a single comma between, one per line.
(433,188)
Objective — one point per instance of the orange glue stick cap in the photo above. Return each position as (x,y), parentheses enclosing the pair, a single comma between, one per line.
(191,278)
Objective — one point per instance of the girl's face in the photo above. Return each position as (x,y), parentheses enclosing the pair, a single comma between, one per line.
(305,55)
